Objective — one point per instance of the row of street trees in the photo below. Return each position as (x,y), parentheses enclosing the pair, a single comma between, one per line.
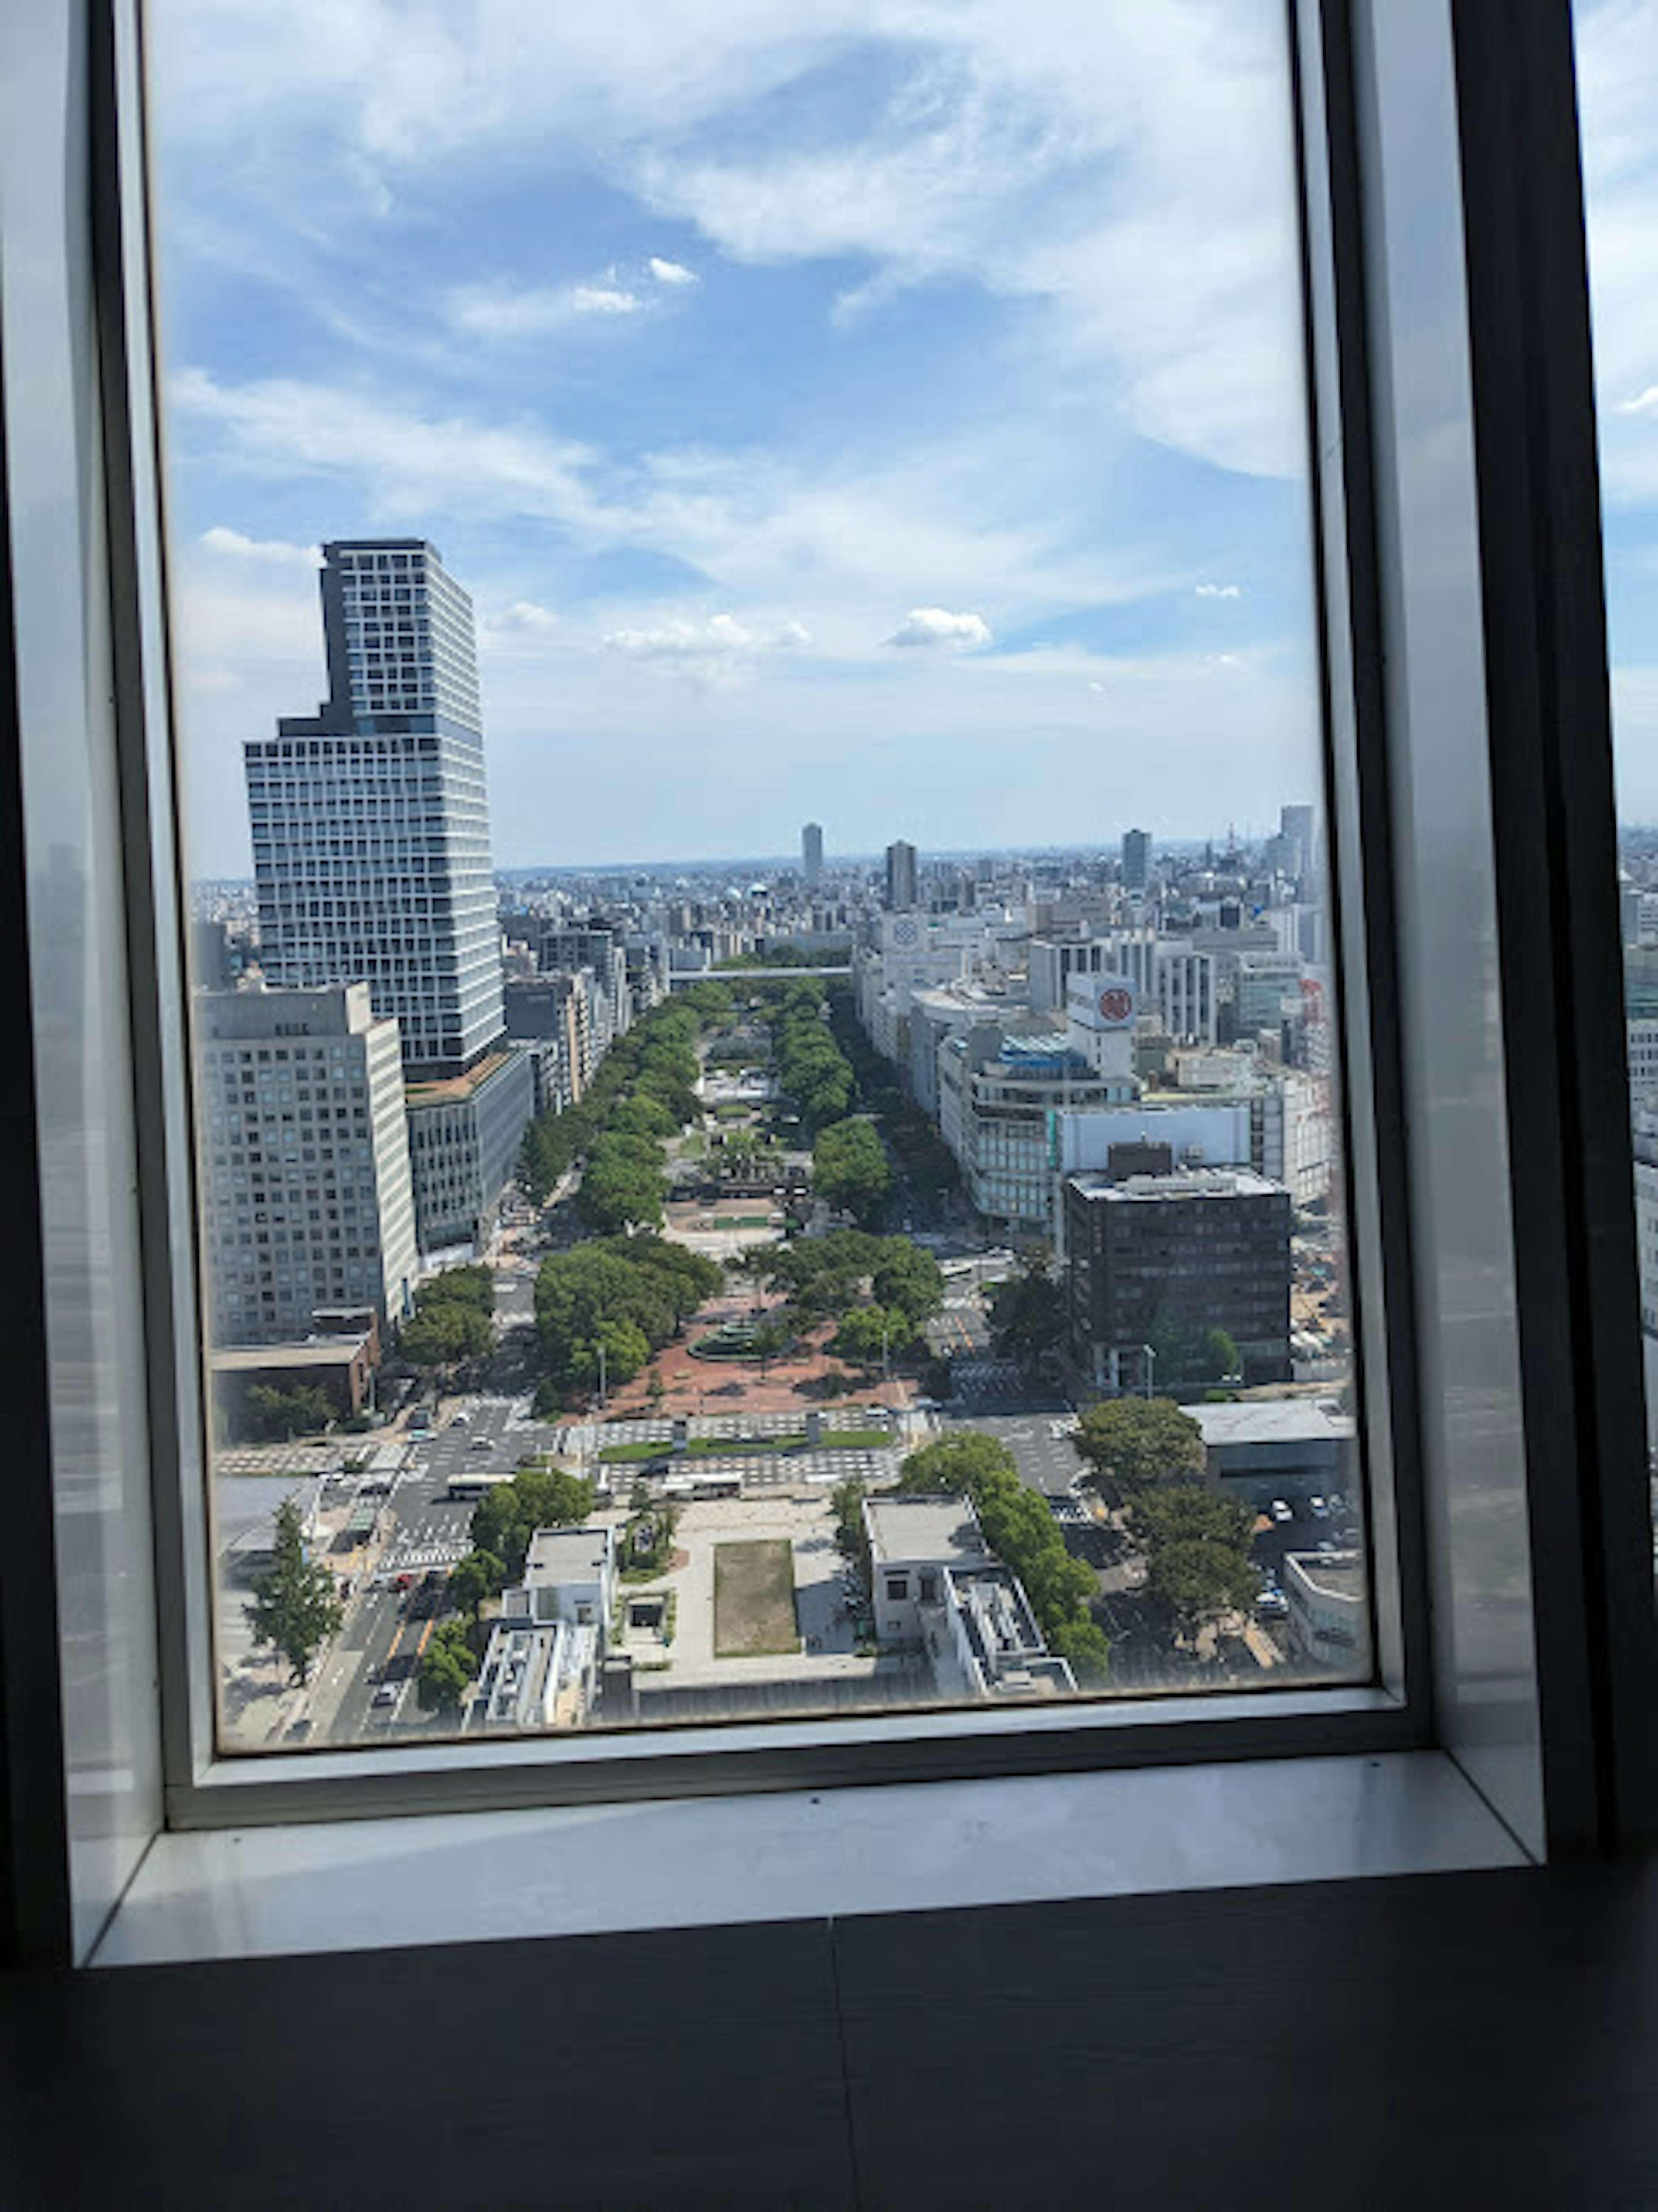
(812,1068)
(1147,1457)
(646,1087)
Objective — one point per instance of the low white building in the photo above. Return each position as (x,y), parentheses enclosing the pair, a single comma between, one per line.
(936,1585)
(541,1669)
(1328,1596)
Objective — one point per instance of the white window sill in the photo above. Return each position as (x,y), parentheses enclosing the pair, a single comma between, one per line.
(455,1878)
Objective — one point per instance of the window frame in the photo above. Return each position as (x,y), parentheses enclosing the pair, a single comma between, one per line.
(1573,1231)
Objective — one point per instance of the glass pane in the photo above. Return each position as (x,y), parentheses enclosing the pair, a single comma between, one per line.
(1617,47)
(767,1055)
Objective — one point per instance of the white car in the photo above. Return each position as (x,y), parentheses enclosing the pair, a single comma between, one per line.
(1279,1510)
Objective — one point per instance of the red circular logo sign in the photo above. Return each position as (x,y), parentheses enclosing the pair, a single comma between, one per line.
(1116,1004)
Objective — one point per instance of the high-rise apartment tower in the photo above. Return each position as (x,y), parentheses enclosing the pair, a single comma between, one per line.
(811,854)
(1136,860)
(370,819)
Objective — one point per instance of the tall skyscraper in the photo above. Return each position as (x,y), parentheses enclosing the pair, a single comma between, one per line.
(370,819)
(811,854)
(1136,860)
(901,885)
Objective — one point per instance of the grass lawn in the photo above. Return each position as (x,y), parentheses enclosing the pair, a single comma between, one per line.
(754,1598)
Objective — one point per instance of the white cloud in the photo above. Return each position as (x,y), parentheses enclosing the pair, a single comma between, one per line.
(926,626)
(1124,171)
(405,465)
(604,300)
(1644,403)
(274,552)
(671,273)
(507,311)
(1220,591)
(718,651)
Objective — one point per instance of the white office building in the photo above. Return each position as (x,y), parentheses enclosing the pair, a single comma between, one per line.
(305,1160)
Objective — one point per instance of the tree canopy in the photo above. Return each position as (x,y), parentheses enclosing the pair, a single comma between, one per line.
(504,1519)
(1197,1546)
(602,1291)
(451,1320)
(277,1414)
(1131,1443)
(295,1607)
(1027,1311)
(623,1185)
(446,1668)
(849,1170)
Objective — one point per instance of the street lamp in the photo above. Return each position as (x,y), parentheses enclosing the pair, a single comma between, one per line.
(603,1377)
(1150,1366)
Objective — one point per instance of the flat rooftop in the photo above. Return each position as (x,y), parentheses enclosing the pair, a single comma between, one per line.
(451,1088)
(1273,1421)
(314,1352)
(1338,1575)
(941,1529)
(1184,1183)
(566,1555)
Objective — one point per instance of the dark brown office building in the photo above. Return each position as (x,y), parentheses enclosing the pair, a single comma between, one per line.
(1155,1263)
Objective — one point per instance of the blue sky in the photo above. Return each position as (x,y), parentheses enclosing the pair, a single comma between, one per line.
(887,414)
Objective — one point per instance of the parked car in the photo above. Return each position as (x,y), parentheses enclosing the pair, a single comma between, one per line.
(1279,1510)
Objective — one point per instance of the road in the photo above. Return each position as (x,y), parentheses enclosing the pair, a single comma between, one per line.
(386,1629)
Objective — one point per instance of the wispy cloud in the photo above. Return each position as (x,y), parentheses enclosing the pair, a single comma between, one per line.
(671,273)
(933,627)
(273,552)
(719,651)
(1220,591)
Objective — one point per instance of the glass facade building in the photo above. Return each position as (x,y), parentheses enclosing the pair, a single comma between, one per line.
(370,819)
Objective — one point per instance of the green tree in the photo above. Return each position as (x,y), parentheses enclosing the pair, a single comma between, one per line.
(295,1607)
(477,1576)
(908,1279)
(504,1519)
(1130,1444)
(846,1505)
(445,1335)
(1027,1311)
(849,1170)
(1190,1514)
(301,1412)
(1085,1645)
(870,1336)
(447,1669)
(958,1464)
(1220,1357)
(622,1185)
(1197,1579)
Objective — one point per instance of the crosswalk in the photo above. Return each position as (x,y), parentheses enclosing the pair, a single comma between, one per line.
(433,1551)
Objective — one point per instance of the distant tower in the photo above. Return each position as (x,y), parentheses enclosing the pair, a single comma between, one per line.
(1136,860)
(900,888)
(370,821)
(1297,831)
(811,854)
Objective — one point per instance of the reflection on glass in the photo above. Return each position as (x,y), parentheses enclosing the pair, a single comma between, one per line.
(1617,44)
(671,1258)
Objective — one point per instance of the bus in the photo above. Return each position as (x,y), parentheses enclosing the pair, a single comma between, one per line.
(473,1484)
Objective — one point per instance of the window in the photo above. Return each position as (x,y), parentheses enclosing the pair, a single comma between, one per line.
(1453,1008)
